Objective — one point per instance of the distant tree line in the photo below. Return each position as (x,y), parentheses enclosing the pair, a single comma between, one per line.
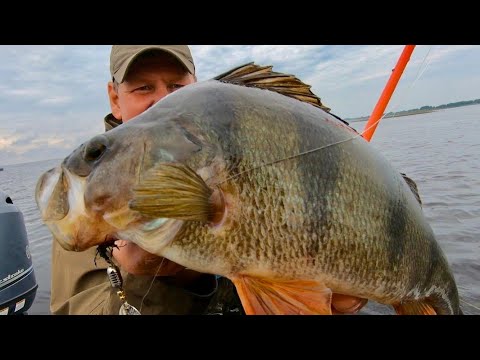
(451,105)
(426,108)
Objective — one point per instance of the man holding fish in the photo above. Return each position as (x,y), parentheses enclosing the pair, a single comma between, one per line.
(311,256)
(141,76)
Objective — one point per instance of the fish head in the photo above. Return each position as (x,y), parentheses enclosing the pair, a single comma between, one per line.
(85,201)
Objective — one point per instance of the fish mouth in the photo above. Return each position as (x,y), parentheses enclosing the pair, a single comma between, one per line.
(60,198)
(51,195)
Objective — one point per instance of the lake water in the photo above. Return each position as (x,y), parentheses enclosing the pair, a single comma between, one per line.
(440,151)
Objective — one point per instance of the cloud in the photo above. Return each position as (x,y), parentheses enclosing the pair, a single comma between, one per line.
(6,142)
(54,97)
(212,60)
(58,100)
(24,93)
(45,135)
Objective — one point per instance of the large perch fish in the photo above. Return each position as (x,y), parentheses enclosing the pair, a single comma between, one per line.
(250,177)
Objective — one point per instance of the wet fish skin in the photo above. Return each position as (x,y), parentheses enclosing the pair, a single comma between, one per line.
(341,216)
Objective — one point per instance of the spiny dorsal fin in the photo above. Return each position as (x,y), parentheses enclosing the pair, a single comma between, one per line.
(263,77)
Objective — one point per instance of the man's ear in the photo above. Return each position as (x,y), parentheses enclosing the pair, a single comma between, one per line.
(113,97)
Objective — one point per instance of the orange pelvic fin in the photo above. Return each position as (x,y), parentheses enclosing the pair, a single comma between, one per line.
(414,308)
(262,296)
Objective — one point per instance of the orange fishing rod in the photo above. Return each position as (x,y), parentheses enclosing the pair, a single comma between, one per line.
(382,103)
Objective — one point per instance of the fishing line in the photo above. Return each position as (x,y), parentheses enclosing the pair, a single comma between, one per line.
(462,287)
(287,158)
(151,284)
(420,72)
(475,307)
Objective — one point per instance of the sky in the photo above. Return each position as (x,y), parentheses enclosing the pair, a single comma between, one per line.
(54,97)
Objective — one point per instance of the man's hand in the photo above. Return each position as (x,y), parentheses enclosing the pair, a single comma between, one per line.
(133,259)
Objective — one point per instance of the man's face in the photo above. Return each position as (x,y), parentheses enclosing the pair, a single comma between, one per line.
(149,79)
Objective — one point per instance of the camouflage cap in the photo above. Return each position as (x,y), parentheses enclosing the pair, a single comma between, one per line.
(122,57)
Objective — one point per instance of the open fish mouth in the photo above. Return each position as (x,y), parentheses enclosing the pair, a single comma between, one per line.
(60,196)
(52,195)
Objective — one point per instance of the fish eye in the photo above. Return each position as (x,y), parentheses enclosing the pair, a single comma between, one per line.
(95,148)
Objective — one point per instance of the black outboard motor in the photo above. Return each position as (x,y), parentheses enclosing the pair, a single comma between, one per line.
(18,285)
